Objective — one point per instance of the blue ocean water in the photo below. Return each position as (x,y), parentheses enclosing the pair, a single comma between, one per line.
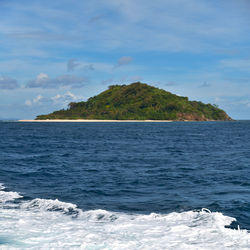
(94,174)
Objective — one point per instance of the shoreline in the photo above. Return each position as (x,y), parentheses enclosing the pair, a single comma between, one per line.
(95,120)
(83,120)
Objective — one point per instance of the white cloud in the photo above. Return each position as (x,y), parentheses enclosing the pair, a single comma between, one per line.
(28,103)
(143,25)
(59,100)
(37,100)
(164,26)
(43,81)
(42,76)
(65,99)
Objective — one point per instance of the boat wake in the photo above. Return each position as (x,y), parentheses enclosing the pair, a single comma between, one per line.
(46,224)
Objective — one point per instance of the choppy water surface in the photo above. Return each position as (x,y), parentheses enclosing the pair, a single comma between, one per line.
(125,185)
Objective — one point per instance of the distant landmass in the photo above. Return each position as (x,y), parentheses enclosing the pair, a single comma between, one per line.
(139,101)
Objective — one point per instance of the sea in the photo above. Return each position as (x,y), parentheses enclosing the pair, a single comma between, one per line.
(136,185)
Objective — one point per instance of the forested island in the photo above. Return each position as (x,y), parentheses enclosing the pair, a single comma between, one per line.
(138,101)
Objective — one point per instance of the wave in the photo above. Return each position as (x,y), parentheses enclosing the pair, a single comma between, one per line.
(51,205)
(7,196)
(46,224)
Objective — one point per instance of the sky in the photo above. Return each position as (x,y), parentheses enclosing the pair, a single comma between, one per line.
(61,51)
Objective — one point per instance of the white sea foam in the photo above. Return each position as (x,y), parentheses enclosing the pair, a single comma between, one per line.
(7,196)
(48,224)
(50,205)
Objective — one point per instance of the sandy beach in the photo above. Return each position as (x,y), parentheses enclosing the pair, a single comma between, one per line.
(82,120)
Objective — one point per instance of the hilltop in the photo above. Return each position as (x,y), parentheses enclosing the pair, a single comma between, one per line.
(138,101)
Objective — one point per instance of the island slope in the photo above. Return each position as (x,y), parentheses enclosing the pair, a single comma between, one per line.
(138,101)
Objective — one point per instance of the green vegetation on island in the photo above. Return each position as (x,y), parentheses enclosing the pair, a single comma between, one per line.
(138,101)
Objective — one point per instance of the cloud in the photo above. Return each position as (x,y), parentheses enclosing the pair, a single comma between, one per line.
(135,78)
(61,100)
(72,64)
(204,85)
(37,100)
(43,81)
(41,36)
(124,60)
(108,81)
(8,83)
(95,18)
(28,103)
(65,99)
(140,25)
(239,64)
(122,80)
(170,83)
(88,67)
(42,76)
(237,80)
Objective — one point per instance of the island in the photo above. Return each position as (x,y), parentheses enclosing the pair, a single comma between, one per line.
(138,101)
